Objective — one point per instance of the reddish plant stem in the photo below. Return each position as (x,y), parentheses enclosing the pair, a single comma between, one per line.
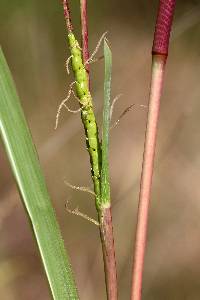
(107,240)
(158,66)
(105,216)
(163,27)
(159,57)
(84,31)
(67,15)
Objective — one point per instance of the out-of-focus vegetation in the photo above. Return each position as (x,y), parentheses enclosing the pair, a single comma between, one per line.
(33,37)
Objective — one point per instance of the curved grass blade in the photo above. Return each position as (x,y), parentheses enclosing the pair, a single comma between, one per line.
(27,172)
(105,187)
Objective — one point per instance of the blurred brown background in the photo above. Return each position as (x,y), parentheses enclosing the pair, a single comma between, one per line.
(32,34)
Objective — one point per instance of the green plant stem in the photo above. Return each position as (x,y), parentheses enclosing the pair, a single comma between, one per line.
(98,156)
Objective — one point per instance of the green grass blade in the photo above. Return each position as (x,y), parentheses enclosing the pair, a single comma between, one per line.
(26,169)
(105,187)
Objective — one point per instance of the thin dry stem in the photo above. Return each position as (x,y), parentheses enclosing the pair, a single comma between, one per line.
(67,64)
(63,104)
(113,104)
(108,249)
(80,188)
(125,111)
(91,58)
(77,212)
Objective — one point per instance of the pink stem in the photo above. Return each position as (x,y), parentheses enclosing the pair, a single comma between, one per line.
(158,66)
(159,57)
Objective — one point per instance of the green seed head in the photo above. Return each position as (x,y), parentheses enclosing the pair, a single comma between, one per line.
(81,76)
(77,63)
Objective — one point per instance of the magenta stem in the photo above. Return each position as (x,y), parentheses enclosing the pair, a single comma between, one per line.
(163,26)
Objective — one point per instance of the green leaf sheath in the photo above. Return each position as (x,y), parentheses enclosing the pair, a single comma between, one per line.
(26,169)
(105,186)
(87,113)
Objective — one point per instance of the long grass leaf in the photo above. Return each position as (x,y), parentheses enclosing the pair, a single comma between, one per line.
(27,172)
(105,187)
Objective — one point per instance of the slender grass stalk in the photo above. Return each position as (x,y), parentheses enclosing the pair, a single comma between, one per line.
(146,178)
(98,155)
(84,32)
(25,165)
(159,57)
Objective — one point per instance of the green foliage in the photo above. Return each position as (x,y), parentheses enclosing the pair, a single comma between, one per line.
(27,172)
(105,186)
(98,156)
(87,113)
